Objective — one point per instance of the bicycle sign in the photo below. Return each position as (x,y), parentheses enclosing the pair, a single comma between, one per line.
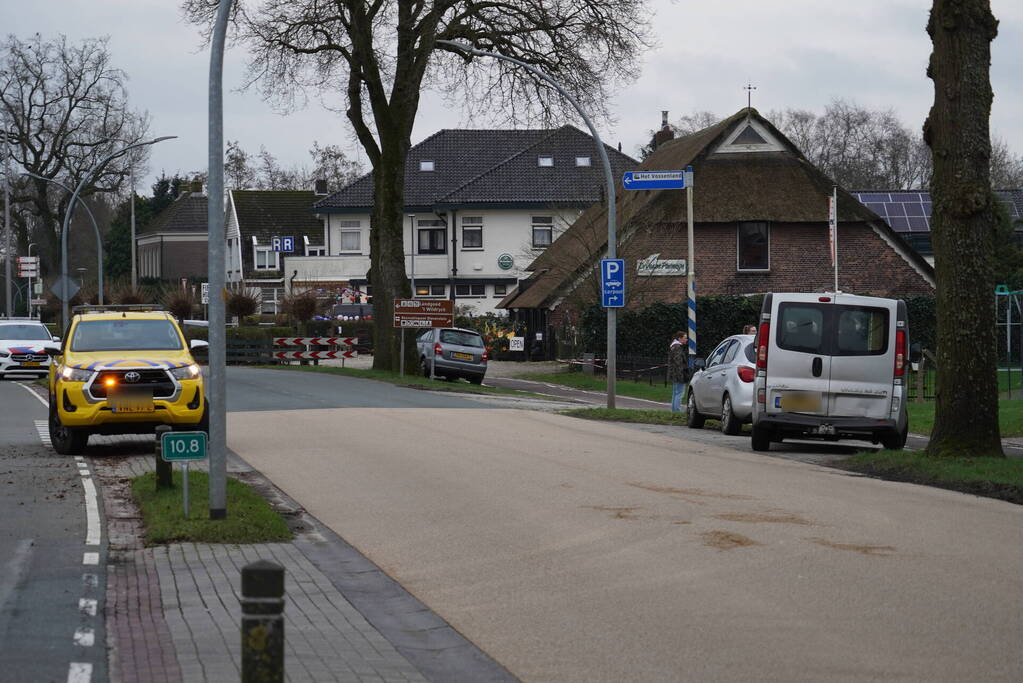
(178,446)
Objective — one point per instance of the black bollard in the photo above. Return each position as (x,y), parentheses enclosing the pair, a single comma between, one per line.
(262,622)
(164,470)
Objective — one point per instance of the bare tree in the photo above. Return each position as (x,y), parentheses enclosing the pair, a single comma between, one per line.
(380,55)
(63,109)
(331,164)
(238,171)
(963,228)
(1006,167)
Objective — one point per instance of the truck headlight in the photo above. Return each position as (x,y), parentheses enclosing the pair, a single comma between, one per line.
(75,375)
(187,372)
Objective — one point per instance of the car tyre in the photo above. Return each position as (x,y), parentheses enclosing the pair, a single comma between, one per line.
(895,441)
(693,418)
(476,379)
(761,438)
(66,440)
(424,367)
(729,422)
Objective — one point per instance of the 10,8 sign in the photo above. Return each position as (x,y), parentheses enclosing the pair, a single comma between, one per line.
(177,446)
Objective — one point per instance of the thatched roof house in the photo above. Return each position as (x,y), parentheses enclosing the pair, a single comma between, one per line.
(761,224)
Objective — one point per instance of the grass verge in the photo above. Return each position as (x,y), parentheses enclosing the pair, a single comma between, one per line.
(1010,417)
(1000,478)
(250,518)
(578,380)
(415,380)
(653,417)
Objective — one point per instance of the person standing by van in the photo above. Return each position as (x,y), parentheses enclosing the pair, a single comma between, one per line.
(678,369)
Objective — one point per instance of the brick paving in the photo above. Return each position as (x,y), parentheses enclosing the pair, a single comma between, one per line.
(173,614)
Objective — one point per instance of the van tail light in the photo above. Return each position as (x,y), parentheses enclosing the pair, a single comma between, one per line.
(484,357)
(900,353)
(437,350)
(763,338)
(745,373)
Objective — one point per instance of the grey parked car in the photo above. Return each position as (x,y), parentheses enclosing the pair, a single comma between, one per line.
(723,389)
(452,352)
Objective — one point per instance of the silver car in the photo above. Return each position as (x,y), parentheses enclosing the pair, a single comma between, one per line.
(452,352)
(722,388)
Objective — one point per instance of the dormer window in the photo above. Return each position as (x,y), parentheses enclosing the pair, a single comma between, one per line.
(582,161)
(426,165)
(544,161)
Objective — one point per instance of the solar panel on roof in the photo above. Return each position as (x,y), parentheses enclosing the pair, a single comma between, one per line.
(914,209)
(918,224)
(899,223)
(873,197)
(877,208)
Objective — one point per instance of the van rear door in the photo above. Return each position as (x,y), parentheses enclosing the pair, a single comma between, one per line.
(862,357)
(800,367)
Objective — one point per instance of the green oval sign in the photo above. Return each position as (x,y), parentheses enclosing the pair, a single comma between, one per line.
(505,261)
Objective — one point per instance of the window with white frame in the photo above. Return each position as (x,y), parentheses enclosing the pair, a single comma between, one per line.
(500,290)
(543,231)
(266,258)
(431,290)
(471,290)
(545,161)
(753,246)
(351,236)
(472,232)
(582,161)
(431,239)
(269,298)
(426,165)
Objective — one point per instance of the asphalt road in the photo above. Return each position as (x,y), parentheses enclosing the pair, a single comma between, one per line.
(44,627)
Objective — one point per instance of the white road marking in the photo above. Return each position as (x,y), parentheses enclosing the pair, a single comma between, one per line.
(92,536)
(79,672)
(32,391)
(85,637)
(90,558)
(87,606)
(43,428)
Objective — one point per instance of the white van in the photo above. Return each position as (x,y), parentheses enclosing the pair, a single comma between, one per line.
(831,366)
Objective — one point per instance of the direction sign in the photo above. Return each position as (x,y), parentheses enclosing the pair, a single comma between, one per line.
(612,282)
(27,271)
(28,259)
(205,293)
(424,313)
(64,288)
(178,446)
(285,244)
(654,180)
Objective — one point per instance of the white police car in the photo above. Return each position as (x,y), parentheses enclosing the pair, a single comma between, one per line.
(23,343)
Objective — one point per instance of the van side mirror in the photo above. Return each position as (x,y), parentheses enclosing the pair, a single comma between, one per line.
(51,350)
(699,363)
(198,344)
(915,352)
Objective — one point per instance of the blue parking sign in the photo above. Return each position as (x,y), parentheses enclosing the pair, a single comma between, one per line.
(612,282)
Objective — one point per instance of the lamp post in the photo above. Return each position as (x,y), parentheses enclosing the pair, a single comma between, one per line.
(31,292)
(612,247)
(7,237)
(71,205)
(95,226)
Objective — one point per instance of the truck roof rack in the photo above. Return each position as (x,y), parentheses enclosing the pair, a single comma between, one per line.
(116,308)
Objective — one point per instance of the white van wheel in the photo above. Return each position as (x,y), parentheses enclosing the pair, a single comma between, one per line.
(729,423)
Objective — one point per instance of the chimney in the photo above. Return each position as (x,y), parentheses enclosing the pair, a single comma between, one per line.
(197,186)
(320,187)
(664,134)
(183,189)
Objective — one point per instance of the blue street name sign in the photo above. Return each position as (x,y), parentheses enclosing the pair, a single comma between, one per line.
(654,180)
(285,244)
(612,282)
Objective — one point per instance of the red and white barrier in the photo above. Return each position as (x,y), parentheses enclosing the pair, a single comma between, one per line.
(315,341)
(314,355)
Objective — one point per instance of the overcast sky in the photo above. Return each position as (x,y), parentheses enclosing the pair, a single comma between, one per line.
(798,53)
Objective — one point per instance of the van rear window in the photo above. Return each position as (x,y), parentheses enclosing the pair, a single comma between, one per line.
(834,330)
(801,327)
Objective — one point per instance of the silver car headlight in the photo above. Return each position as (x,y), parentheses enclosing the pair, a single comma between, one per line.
(187,372)
(70,374)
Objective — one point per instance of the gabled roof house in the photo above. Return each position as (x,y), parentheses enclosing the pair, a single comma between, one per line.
(174,244)
(760,210)
(479,204)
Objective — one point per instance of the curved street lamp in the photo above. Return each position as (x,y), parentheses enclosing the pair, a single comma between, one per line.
(95,226)
(612,247)
(71,205)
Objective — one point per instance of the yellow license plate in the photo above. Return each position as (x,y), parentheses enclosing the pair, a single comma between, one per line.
(31,364)
(801,401)
(132,404)
(461,356)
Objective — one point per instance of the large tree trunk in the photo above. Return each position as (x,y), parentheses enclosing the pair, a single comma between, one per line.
(387,252)
(963,229)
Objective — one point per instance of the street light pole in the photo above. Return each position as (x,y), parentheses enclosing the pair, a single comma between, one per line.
(31,292)
(7,238)
(216,395)
(95,227)
(612,247)
(134,272)
(70,209)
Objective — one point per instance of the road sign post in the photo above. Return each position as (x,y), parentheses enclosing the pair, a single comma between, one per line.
(183,447)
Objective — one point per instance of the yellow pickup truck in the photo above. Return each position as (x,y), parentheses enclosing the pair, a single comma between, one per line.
(122,370)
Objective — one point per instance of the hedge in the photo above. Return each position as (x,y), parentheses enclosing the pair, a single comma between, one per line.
(648,332)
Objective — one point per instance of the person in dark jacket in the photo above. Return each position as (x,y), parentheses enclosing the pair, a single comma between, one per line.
(678,369)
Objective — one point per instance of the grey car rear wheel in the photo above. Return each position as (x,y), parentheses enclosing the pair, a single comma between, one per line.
(729,422)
